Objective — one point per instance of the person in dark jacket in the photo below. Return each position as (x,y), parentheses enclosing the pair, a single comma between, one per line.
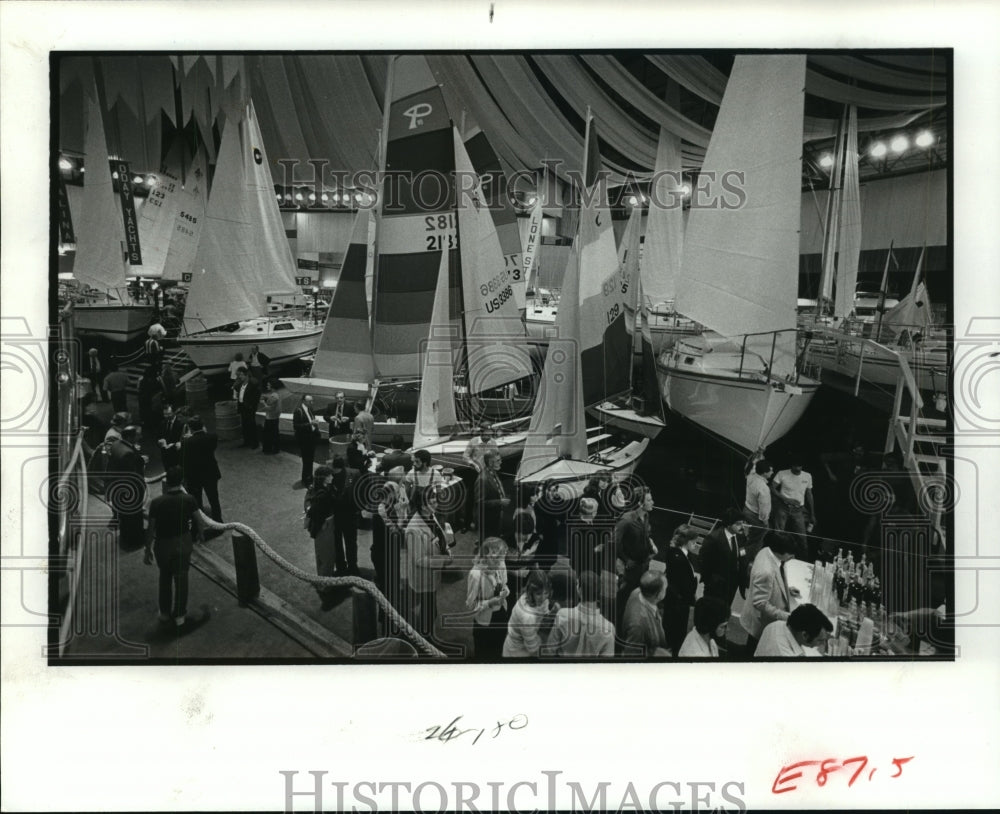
(491,498)
(345,516)
(320,505)
(149,389)
(305,424)
(682,584)
(126,487)
(724,558)
(201,470)
(170,437)
(247,395)
(395,456)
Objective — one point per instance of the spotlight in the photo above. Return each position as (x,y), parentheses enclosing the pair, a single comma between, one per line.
(325,197)
(531,200)
(151,180)
(312,197)
(686,190)
(114,176)
(826,160)
(298,196)
(877,150)
(632,200)
(288,196)
(278,196)
(65,164)
(899,143)
(336,197)
(137,179)
(357,197)
(925,139)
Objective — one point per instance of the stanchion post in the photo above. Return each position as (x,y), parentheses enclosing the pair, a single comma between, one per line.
(245,560)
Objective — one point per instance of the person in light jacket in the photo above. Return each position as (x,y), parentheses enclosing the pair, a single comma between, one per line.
(769,597)
(486,597)
(524,635)
(581,631)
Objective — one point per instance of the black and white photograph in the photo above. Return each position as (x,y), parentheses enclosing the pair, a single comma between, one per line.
(513,373)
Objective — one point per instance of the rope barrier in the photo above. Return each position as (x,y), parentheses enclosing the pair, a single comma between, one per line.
(326,582)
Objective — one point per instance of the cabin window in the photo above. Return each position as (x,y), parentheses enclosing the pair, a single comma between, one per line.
(689,360)
(283,326)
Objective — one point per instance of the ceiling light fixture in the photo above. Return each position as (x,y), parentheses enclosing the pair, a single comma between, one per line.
(877,150)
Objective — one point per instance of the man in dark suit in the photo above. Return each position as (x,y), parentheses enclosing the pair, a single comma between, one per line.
(491,498)
(306,427)
(171,431)
(126,487)
(247,395)
(345,516)
(339,415)
(93,369)
(201,470)
(723,558)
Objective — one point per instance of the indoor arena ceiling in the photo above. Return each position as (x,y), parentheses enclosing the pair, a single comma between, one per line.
(531,106)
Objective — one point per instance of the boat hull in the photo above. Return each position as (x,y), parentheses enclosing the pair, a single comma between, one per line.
(325,389)
(743,411)
(628,420)
(119,323)
(929,365)
(382,433)
(619,462)
(212,352)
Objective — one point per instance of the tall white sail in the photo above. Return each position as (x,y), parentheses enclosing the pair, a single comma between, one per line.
(849,248)
(190,220)
(664,241)
(99,260)
(532,245)
(740,266)
(494,334)
(628,261)
(914,310)
(274,254)
(243,255)
(558,427)
(224,275)
(436,414)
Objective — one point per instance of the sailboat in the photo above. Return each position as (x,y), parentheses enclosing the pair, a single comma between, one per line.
(589,357)
(906,329)
(413,235)
(638,416)
(662,249)
(243,259)
(739,274)
(100,260)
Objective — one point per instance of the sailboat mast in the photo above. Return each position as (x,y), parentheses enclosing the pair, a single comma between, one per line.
(830,237)
(383,146)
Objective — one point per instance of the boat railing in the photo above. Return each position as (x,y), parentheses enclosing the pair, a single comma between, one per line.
(769,362)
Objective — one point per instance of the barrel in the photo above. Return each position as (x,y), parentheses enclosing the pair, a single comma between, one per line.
(338,445)
(196,391)
(227,421)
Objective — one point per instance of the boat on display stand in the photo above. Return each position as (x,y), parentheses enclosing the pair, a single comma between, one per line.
(741,378)
(243,259)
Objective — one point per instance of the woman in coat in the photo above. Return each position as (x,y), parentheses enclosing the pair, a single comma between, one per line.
(524,631)
(682,583)
(486,597)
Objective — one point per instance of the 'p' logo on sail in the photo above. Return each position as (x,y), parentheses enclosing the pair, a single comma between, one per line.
(417,113)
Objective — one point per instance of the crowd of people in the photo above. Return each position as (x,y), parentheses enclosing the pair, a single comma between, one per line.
(550,574)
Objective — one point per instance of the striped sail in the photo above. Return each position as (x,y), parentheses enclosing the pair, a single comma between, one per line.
(605,346)
(487,165)
(740,266)
(494,333)
(418,220)
(436,414)
(99,260)
(345,350)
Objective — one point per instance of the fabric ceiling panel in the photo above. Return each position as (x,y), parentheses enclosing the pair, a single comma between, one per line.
(826,88)
(855,68)
(619,130)
(279,120)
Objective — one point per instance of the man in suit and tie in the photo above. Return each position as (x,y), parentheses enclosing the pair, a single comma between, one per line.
(491,498)
(171,432)
(247,395)
(94,371)
(723,558)
(339,415)
(395,456)
(306,427)
(201,470)
(769,598)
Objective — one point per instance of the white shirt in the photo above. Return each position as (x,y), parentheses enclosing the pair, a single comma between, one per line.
(777,640)
(793,487)
(758,498)
(694,647)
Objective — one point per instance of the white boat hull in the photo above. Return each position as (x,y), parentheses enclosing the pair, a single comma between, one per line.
(747,412)
(212,352)
(619,462)
(929,365)
(326,389)
(382,433)
(114,321)
(628,420)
